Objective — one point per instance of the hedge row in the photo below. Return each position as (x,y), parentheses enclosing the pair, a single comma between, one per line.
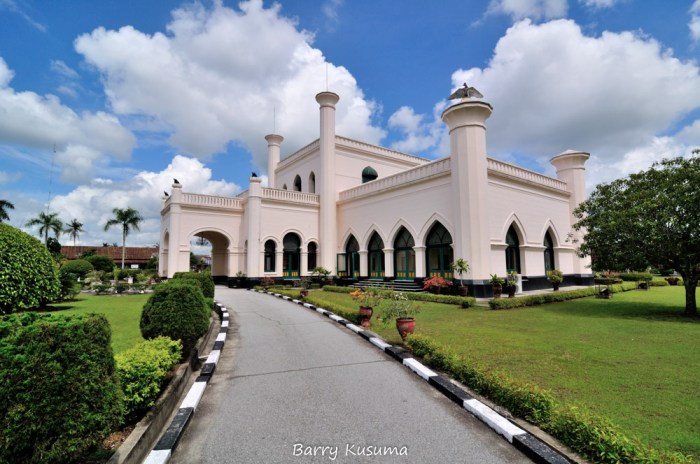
(553,297)
(464,301)
(635,276)
(593,436)
(59,395)
(206,281)
(142,370)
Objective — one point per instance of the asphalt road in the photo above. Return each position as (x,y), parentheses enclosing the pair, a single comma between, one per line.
(292,386)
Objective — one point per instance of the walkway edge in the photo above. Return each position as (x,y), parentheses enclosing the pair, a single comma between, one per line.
(169,440)
(524,441)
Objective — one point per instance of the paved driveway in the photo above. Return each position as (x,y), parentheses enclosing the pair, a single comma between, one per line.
(292,386)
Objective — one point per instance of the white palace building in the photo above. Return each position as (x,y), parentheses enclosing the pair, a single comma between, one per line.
(368,212)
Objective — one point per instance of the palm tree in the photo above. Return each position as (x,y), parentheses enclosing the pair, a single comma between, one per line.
(73,229)
(4,206)
(47,221)
(128,218)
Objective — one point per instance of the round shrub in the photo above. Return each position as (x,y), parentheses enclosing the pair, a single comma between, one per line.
(79,267)
(59,395)
(205,280)
(28,276)
(175,310)
(101,263)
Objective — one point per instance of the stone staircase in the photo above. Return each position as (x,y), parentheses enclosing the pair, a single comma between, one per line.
(396,285)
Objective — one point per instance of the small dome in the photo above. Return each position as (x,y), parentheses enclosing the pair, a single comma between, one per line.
(369,174)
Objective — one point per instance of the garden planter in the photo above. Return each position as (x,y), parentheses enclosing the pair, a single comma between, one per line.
(511,291)
(365,315)
(405,326)
(304,293)
(555,287)
(462,291)
(497,290)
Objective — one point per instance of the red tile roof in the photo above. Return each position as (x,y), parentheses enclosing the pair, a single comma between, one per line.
(135,255)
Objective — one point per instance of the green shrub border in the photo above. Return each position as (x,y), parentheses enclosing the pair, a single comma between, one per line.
(464,301)
(554,297)
(593,436)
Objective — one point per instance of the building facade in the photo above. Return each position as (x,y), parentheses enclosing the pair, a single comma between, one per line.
(367,212)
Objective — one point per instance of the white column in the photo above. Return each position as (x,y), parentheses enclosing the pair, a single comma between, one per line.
(273,157)
(467,124)
(364,267)
(325,182)
(570,167)
(279,262)
(174,232)
(304,263)
(420,261)
(253,210)
(389,263)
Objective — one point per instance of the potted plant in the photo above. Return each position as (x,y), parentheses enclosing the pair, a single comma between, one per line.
(556,277)
(240,279)
(511,283)
(400,309)
(461,266)
(436,284)
(368,299)
(672,280)
(496,285)
(267,282)
(303,283)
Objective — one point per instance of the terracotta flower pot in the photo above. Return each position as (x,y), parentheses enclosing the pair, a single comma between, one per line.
(405,326)
(365,315)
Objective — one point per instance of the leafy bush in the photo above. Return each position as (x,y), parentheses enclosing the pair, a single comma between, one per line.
(141,371)
(28,276)
(102,289)
(101,263)
(635,276)
(176,309)
(534,300)
(69,285)
(417,296)
(205,280)
(59,394)
(79,267)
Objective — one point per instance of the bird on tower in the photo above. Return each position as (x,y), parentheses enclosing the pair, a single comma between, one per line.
(465,92)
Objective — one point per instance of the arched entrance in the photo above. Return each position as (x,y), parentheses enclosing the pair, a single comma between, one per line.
(352,255)
(404,255)
(548,253)
(376,256)
(291,256)
(216,245)
(439,256)
(512,251)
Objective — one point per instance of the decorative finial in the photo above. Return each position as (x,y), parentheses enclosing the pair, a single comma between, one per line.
(465,92)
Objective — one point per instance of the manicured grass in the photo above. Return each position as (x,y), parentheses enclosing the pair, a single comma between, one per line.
(122,311)
(633,358)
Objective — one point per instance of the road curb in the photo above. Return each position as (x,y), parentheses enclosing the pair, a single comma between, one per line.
(164,448)
(524,441)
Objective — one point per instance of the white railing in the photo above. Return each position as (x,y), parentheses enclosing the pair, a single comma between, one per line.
(380,150)
(290,196)
(425,171)
(299,153)
(211,201)
(499,167)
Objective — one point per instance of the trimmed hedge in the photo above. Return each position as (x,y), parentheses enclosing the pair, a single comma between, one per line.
(59,395)
(206,281)
(176,309)
(101,263)
(635,276)
(79,267)
(464,301)
(591,435)
(142,370)
(554,297)
(28,275)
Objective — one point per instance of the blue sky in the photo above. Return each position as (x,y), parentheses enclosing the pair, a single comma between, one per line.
(134,93)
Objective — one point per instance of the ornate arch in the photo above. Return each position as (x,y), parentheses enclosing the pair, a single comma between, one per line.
(428,225)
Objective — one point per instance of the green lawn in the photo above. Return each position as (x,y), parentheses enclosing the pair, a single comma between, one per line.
(632,359)
(122,311)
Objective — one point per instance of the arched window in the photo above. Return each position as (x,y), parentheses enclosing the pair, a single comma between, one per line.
(291,247)
(312,182)
(404,255)
(369,174)
(270,252)
(352,256)
(548,252)
(439,252)
(284,187)
(311,251)
(376,256)
(297,184)
(512,251)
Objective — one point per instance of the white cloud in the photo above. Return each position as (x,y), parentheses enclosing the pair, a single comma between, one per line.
(535,9)
(218,74)
(8,177)
(694,24)
(600,3)
(92,204)
(63,69)
(31,120)
(554,88)
(419,132)
(330,11)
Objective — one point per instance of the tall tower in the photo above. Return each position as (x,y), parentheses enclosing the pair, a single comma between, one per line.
(273,157)
(326,181)
(570,169)
(466,121)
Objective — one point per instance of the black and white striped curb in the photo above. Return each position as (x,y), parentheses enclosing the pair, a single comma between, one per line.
(165,447)
(527,443)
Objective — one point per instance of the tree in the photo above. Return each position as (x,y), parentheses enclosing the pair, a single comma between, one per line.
(4,206)
(73,229)
(129,219)
(648,218)
(47,222)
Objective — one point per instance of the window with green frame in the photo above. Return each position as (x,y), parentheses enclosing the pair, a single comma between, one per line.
(376,256)
(270,252)
(352,254)
(404,255)
(512,251)
(439,254)
(548,253)
(291,246)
